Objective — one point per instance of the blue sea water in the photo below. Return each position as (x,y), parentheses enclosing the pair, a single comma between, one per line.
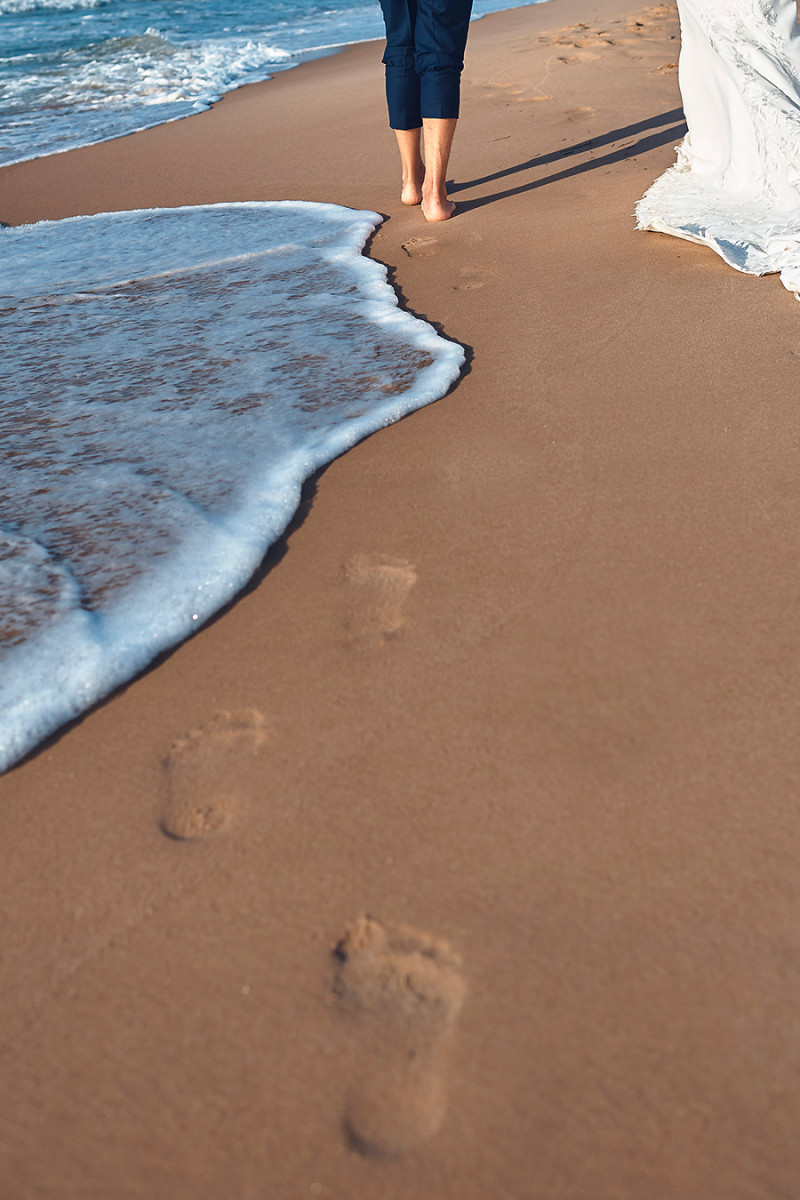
(74,72)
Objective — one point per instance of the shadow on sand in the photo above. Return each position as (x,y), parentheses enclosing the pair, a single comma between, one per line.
(659,136)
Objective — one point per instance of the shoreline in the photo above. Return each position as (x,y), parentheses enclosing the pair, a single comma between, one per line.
(129,612)
(310,56)
(519,683)
(303,58)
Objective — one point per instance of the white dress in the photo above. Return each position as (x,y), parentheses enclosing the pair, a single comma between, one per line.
(736,184)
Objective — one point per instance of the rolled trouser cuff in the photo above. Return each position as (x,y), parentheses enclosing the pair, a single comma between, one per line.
(402,91)
(440,94)
(439,84)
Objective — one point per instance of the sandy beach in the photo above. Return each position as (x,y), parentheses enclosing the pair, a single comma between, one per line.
(494,765)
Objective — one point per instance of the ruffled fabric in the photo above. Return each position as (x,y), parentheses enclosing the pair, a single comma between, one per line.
(736,184)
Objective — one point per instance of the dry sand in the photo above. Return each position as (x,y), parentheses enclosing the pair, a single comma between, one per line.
(521,683)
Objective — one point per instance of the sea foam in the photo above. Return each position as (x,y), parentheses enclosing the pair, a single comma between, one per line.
(27,6)
(75,72)
(169,379)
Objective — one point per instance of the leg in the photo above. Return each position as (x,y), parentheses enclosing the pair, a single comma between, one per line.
(402,93)
(438,140)
(408,143)
(440,38)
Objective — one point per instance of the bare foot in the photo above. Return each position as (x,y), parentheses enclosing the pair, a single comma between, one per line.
(411,192)
(437,208)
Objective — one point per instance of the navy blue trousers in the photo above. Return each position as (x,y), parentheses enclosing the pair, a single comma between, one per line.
(425,43)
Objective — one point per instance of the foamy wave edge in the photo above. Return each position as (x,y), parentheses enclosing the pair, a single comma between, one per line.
(109,656)
(25,6)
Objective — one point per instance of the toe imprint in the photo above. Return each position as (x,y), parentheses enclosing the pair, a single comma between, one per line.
(206,774)
(403,990)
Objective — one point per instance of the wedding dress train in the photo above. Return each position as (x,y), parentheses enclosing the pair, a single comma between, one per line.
(736,184)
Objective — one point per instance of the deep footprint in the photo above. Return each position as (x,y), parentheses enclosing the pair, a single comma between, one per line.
(403,991)
(207,774)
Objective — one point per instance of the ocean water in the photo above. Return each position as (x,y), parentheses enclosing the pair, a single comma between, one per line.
(74,72)
(169,379)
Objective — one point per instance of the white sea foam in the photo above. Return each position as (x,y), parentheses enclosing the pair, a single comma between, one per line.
(168,380)
(74,72)
(28,6)
(149,69)
(131,72)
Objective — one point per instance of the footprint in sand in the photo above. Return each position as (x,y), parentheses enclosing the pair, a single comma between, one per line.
(378,588)
(473,277)
(420,247)
(584,113)
(207,774)
(403,991)
(650,20)
(578,37)
(577,42)
(509,93)
(572,60)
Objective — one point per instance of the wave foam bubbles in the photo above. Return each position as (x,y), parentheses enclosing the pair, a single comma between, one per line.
(28,6)
(149,69)
(169,379)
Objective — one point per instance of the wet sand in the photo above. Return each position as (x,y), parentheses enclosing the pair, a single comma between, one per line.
(459,856)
